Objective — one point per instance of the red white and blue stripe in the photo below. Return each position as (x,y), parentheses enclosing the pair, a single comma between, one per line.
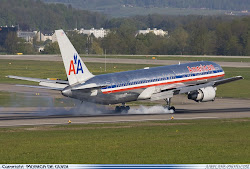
(188,77)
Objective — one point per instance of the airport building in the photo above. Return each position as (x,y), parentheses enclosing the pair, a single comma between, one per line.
(43,36)
(158,32)
(98,33)
(27,36)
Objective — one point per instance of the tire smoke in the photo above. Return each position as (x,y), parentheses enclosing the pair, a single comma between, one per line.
(81,108)
(149,110)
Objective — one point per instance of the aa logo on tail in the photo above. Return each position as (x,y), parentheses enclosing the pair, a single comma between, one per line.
(76,63)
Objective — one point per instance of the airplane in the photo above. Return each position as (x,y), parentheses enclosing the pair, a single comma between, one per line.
(197,79)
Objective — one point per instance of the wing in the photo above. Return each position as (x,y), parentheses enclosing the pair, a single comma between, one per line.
(231,79)
(185,89)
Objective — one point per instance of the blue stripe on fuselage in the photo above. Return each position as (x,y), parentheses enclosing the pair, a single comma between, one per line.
(162,79)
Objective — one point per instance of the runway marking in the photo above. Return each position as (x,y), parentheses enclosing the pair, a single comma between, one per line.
(117,121)
(82,122)
(191,118)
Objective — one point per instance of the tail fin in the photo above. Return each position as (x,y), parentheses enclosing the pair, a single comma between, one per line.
(76,70)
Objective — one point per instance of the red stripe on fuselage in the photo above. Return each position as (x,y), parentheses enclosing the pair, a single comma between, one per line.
(164,83)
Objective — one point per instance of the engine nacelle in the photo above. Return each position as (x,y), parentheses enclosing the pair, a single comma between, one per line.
(203,94)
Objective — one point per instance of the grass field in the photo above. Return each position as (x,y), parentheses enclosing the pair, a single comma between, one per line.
(158,142)
(11,99)
(44,69)
(188,58)
(238,89)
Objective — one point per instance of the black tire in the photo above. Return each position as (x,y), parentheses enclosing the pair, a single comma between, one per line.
(118,109)
(127,108)
(172,108)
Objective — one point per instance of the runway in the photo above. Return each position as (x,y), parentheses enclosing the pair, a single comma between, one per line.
(115,60)
(51,115)
(27,116)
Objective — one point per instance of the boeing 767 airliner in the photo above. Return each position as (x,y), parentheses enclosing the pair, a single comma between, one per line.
(197,79)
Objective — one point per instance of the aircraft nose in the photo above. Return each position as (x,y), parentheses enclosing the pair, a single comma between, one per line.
(67,92)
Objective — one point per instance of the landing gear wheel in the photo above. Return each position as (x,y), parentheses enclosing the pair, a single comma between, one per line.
(168,106)
(172,109)
(127,108)
(118,109)
(122,109)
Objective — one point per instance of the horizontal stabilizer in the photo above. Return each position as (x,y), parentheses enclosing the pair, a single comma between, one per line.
(42,87)
(53,85)
(38,80)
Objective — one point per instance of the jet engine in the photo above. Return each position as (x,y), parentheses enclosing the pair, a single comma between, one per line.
(203,94)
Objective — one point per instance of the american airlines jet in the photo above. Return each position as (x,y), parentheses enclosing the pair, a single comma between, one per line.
(197,79)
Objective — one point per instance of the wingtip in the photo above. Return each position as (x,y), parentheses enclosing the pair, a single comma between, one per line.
(240,77)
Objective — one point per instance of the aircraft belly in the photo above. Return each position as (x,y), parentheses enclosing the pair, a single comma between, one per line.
(110,98)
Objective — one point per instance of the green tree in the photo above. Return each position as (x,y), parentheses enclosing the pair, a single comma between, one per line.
(178,41)
(52,48)
(247,49)
(197,36)
(96,48)
(24,47)
(80,42)
(223,34)
(11,43)
(111,43)
(210,43)
(126,33)
(140,47)
(234,47)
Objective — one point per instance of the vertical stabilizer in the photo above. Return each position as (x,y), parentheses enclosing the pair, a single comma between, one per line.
(76,70)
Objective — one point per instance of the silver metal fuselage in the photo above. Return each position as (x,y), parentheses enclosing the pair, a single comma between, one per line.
(122,87)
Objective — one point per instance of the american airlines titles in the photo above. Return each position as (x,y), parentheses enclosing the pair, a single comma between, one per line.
(201,68)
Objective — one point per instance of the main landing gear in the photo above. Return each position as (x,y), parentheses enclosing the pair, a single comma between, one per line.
(122,109)
(168,106)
